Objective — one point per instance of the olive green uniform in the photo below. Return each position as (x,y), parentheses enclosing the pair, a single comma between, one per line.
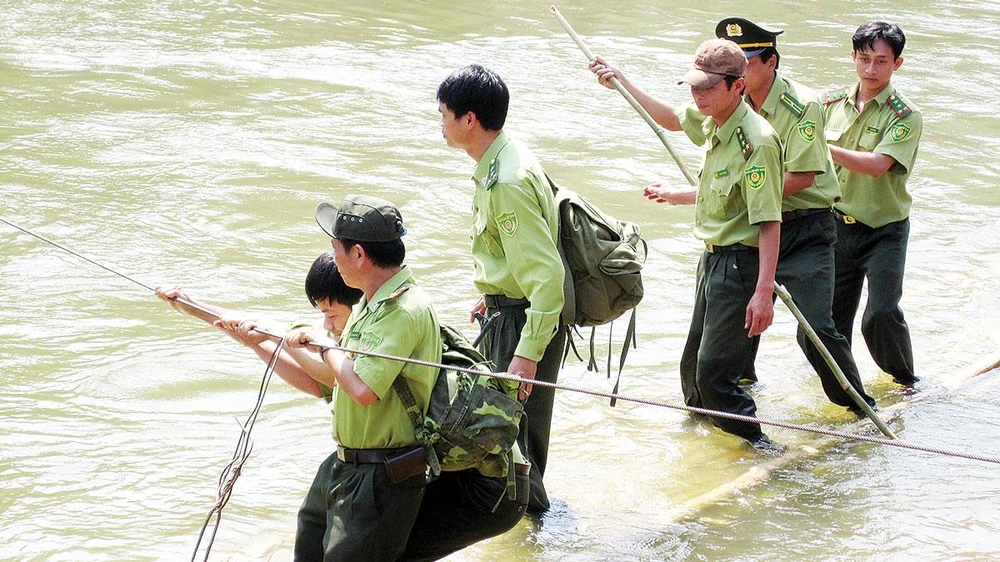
(873,226)
(518,268)
(353,511)
(808,232)
(739,188)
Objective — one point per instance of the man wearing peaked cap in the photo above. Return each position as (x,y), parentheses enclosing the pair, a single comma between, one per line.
(737,214)
(372,486)
(752,38)
(810,188)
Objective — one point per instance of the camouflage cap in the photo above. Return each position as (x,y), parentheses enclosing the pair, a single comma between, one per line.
(714,60)
(752,38)
(361,218)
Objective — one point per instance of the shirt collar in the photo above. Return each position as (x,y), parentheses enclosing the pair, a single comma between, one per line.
(879,100)
(728,129)
(778,87)
(483,166)
(388,289)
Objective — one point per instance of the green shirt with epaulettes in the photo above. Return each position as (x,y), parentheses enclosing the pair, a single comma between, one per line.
(740,181)
(887,124)
(797,116)
(399,321)
(515,229)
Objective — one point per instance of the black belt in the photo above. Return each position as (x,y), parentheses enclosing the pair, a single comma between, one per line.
(501,301)
(370,456)
(847,219)
(715,249)
(801,213)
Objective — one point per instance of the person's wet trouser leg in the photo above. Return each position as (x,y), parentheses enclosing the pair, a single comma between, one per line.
(878,255)
(730,281)
(806,270)
(499,347)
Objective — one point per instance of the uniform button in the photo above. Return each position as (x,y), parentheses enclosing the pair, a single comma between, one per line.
(697,222)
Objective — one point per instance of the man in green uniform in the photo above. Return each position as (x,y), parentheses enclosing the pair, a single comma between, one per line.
(874,132)
(737,216)
(516,261)
(365,498)
(808,231)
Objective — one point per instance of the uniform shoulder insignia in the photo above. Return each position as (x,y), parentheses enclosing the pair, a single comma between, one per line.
(396,294)
(491,177)
(793,105)
(898,106)
(745,147)
(834,96)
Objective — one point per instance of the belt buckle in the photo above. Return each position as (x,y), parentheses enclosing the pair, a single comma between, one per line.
(341,454)
(709,247)
(848,219)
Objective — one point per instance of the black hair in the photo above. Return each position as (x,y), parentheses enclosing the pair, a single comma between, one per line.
(382,254)
(769,52)
(324,282)
(479,90)
(868,34)
(730,80)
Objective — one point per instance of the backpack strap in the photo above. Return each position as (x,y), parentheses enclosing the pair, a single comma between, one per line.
(629,339)
(425,437)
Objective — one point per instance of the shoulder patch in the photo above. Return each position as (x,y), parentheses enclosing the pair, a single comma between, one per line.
(507,223)
(491,177)
(793,105)
(745,147)
(899,132)
(370,340)
(755,176)
(898,106)
(834,96)
(807,130)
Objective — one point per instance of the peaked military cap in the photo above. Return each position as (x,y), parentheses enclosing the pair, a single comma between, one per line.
(752,38)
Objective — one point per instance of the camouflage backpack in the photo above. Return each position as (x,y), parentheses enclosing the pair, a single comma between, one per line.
(472,420)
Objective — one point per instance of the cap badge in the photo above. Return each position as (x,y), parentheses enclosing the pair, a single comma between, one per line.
(734,30)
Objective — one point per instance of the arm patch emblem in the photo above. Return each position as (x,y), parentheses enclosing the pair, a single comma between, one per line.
(756,176)
(507,223)
(807,130)
(899,132)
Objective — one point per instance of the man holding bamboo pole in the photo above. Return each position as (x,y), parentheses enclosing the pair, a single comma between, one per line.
(737,216)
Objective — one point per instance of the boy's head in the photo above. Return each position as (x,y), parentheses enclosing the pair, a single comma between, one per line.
(327,292)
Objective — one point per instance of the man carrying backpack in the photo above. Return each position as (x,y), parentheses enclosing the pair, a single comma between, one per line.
(514,247)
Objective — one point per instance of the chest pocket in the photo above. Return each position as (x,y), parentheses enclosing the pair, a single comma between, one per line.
(720,201)
(833,135)
(488,238)
(869,140)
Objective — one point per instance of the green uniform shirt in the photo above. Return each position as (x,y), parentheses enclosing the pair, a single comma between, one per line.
(515,228)
(797,116)
(741,177)
(395,322)
(888,124)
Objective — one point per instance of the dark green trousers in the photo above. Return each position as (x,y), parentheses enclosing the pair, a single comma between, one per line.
(878,255)
(717,349)
(353,512)
(460,509)
(499,346)
(806,269)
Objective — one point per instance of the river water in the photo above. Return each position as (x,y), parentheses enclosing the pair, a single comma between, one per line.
(189,142)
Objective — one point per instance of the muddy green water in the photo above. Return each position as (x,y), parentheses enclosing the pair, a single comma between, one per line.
(182,141)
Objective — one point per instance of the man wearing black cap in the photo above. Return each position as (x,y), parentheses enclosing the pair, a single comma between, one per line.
(365,498)
(737,216)
(808,231)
